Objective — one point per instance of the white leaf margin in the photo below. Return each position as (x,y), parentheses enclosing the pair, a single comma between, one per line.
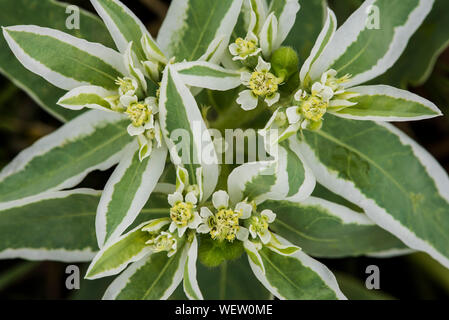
(378,214)
(109,56)
(320,269)
(84,125)
(150,177)
(43,253)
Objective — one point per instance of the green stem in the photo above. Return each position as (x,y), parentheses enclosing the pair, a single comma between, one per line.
(223,274)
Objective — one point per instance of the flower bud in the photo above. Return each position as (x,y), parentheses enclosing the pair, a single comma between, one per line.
(284,62)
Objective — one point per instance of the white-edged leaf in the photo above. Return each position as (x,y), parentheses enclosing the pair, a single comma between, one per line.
(296,172)
(155,277)
(285,12)
(123,25)
(296,277)
(190,283)
(268,36)
(399,185)
(92,97)
(252,180)
(326,35)
(385,103)
(208,75)
(116,255)
(192,25)
(127,191)
(54,226)
(365,50)
(64,60)
(181,119)
(326,229)
(93,141)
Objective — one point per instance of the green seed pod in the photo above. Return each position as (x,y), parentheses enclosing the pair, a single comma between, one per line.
(285,62)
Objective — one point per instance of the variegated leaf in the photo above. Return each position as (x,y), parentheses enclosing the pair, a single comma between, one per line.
(190,282)
(384,103)
(366,48)
(296,277)
(397,183)
(285,12)
(154,277)
(92,97)
(54,226)
(67,62)
(123,25)
(127,191)
(326,229)
(93,141)
(117,254)
(208,75)
(287,177)
(52,14)
(185,132)
(326,35)
(191,25)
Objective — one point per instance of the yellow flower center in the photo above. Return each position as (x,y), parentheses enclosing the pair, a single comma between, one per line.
(259,224)
(162,242)
(263,83)
(245,47)
(125,84)
(139,113)
(224,225)
(182,213)
(314,108)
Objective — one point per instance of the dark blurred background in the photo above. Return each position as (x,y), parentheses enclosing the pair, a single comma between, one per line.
(415,276)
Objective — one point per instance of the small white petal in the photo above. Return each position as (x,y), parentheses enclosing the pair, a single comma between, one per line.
(252,232)
(317,88)
(252,36)
(272,99)
(220,199)
(265,237)
(327,93)
(196,221)
(298,95)
(172,227)
(233,49)
(245,77)
(175,198)
(205,213)
(262,65)
(126,100)
(152,102)
(247,100)
(245,209)
(135,131)
(191,197)
(242,234)
(256,52)
(271,216)
(181,231)
(293,115)
(204,228)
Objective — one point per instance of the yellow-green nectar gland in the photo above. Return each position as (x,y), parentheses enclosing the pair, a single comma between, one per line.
(139,113)
(161,242)
(182,213)
(263,83)
(224,225)
(259,224)
(125,84)
(314,108)
(245,47)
